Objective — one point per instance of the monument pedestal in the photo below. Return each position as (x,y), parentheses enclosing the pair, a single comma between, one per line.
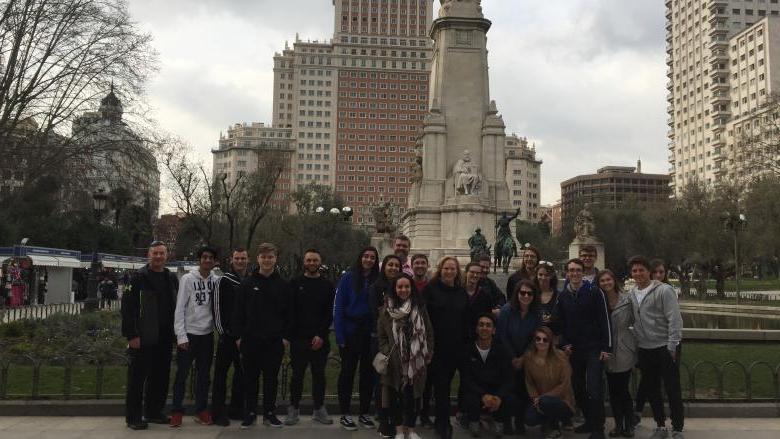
(383,243)
(577,244)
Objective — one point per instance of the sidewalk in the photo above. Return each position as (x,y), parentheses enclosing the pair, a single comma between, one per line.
(93,427)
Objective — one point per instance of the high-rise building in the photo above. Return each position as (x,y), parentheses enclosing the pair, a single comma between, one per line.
(706,63)
(522,177)
(247,148)
(613,186)
(383,53)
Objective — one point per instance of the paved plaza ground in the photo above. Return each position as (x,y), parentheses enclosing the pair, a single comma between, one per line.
(113,427)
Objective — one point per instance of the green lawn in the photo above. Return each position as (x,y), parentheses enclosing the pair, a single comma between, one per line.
(706,378)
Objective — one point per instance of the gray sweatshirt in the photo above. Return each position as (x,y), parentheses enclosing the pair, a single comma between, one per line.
(193,305)
(657,320)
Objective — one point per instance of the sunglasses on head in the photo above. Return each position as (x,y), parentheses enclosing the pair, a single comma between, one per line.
(540,339)
(547,263)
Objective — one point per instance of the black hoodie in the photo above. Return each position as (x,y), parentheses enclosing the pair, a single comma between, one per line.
(261,308)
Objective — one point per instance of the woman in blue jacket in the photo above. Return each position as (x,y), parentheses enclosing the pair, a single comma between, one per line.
(353,324)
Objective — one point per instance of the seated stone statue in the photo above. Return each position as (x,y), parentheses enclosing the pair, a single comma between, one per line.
(466,175)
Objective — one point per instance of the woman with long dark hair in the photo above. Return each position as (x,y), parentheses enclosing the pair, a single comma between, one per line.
(389,270)
(406,337)
(546,282)
(530,258)
(516,325)
(623,359)
(353,324)
(447,304)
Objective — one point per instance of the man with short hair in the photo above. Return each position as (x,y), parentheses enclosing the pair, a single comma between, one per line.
(420,271)
(486,378)
(585,335)
(401,246)
(658,330)
(147,322)
(489,285)
(311,313)
(227,352)
(588,255)
(193,324)
(259,324)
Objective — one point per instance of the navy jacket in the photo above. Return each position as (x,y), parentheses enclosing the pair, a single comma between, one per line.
(583,320)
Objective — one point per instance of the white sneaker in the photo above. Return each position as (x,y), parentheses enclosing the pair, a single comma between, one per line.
(660,433)
(399,436)
(413,435)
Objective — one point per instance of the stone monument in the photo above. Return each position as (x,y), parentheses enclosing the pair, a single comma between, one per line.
(382,238)
(460,184)
(585,234)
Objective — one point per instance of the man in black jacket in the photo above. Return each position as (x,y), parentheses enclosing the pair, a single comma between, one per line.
(260,316)
(581,313)
(311,313)
(486,378)
(499,298)
(227,352)
(147,323)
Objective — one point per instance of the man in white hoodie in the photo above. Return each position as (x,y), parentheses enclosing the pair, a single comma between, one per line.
(658,331)
(193,325)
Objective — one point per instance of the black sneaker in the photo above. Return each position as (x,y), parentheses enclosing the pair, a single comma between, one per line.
(347,423)
(249,420)
(366,422)
(270,420)
(425,421)
(584,428)
(222,421)
(158,418)
(463,421)
(386,430)
(137,425)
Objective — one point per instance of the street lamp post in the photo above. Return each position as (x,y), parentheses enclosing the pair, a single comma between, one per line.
(99,205)
(735,222)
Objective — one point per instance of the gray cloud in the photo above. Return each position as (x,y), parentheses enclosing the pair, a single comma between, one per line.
(582,78)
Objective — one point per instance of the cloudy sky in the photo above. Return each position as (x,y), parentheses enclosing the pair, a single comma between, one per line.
(584,79)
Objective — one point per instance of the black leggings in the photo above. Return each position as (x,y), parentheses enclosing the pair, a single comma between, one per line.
(620,399)
(356,351)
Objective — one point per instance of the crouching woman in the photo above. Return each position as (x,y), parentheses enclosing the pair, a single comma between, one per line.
(548,379)
(406,338)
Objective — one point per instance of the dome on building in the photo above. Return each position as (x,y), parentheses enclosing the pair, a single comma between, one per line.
(111,106)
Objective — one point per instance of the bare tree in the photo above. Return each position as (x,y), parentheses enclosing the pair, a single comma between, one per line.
(261,187)
(191,189)
(57,59)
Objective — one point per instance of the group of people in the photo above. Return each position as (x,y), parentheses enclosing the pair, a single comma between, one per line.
(533,357)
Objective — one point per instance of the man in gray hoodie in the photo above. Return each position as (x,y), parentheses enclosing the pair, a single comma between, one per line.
(658,331)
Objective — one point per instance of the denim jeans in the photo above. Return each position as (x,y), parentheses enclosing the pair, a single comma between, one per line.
(551,410)
(201,350)
(587,381)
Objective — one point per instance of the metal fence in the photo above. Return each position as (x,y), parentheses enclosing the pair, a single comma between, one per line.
(8,315)
(731,381)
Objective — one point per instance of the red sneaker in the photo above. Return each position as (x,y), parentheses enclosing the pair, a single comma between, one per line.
(204,418)
(175,420)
